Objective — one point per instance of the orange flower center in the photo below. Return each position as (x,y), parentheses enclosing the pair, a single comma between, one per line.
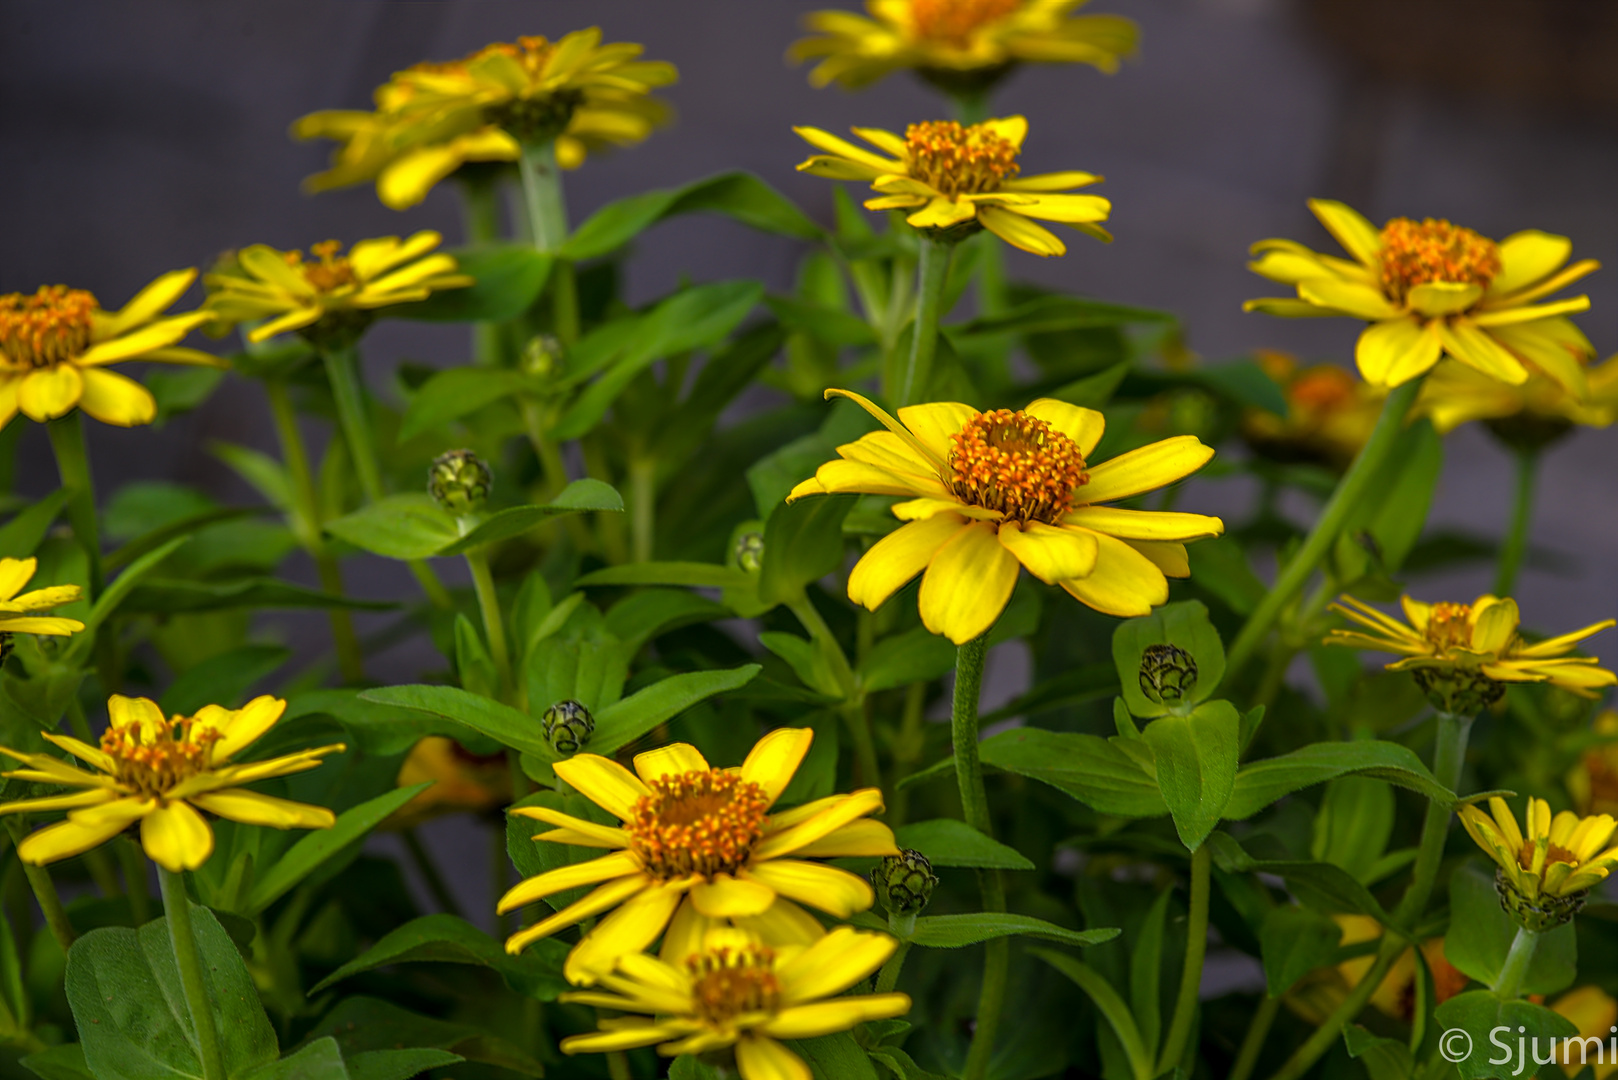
(48,328)
(531,51)
(331,273)
(1323,389)
(1449,626)
(1553,854)
(153,761)
(959,160)
(699,822)
(1415,253)
(953,22)
(1016,464)
(728,983)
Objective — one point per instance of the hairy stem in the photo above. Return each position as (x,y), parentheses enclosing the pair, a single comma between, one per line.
(547,223)
(494,625)
(1449,753)
(1522,519)
(1515,969)
(480,213)
(888,977)
(182,934)
(1196,949)
(932,271)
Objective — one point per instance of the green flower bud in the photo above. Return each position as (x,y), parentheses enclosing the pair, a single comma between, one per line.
(568,726)
(905,882)
(1167,674)
(459,481)
(1543,912)
(750,552)
(542,356)
(1460,691)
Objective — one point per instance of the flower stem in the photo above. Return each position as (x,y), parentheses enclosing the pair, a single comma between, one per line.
(73,465)
(1258,1029)
(428,869)
(932,272)
(1196,949)
(547,222)
(1522,517)
(1342,504)
(1515,969)
(969,660)
(888,977)
(643,506)
(1328,1033)
(135,868)
(39,880)
(480,211)
(177,906)
(494,627)
(853,709)
(1449,752)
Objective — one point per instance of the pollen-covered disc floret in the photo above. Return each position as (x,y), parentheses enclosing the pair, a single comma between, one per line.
(152,758)
(730,982)
(1415,253)
(959,160)
(329,270)
(48,328)
(1449,626)
(699,822)
(952,22)
(1017,464)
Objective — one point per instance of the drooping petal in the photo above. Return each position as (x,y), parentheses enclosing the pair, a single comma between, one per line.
(967,583)
(630,929)
(46,393)
(66,839)
(602,899)
(942,213)
(1471,345)
(604,782)
(1019,232)
(625,1038)
(254,808)
(775,758)
(762,1058)
(1050,553)
(1397,350)
(176,837)
(77,800)
(1124,583)
(900,556)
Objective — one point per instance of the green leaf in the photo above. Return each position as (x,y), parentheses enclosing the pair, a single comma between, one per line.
(1481,935)
(691,574)
(398,527)
(1405,486)
(186,526)
(836,1057)
(319,1060)
(1317,884)
(1091,682)
(446,939)
(397,1064)
(808,662)
(1354,824)
(450,395)
(803,542)
(312,850)
(1384,1059)
(623,722)
(581,496)
(114,594)
(1184,625)
(1262,783)
(686,1067)
(267,476)
(223,679)
(1109,1004)
(1094,391)
(736,194)
(1091,769)
(644,615)
(363,1026)
(24,532)
(1495,1026)
(170,597)
(474,667)
(958,931)
(917,655)
(384,730)
(1049,313)
(508,279)
(1146,971)
(1296,941)
(1196,766)
(64,1062)
(1245,383)
(502,723)
(1220,565)
(181,390)
(947,842)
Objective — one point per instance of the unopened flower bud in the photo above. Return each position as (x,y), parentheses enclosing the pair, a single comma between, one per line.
(568,726)
(1458,690)
(459,481)
(542,356)
(1167,674)
(1539,913)
(905,882)
(750,552)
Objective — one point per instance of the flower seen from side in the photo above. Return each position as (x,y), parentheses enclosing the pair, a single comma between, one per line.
(57,343)
(1329,416)
(1531,414)
(463,782)
(700,835)
(952,180)
(989,492)
(1431,289)
(1317,996)
(163,774)
(20,612)
(1544,869)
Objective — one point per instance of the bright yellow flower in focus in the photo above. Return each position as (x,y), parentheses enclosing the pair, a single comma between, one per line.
(1329,417)
(692,830)
(989,492)
(737,992)
(1593,782)
(958,179)
(1545,869)
(18,614)
(463,782)
(161,773)
(1595,1013)
(960,45)
(329,292)
(1431,289)
(56,344)
(1537,411)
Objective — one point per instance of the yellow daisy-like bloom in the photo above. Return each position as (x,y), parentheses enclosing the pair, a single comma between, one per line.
(161,773)
(691,830)
(957,179)
(1593,782)
(336,291)
(1595,1013)
(1318,995)
(960,45)
(56,344)
(19,614)
(434,117)
(989,492)
(1549,862)
(1455,394)
(1329,417)
(737,992)
(1431,289)
(463,782)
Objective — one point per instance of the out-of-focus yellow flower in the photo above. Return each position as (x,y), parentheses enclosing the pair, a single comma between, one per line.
(1595,1014)
(1550,864)
(462,782)
(329,292)
(1593,782)
(19,614)
(162,773)
(56,344)
(1329,416)
(1318,996)
(959,45)
(434,117)
(1541,407)
(692,830)
(1431,289)
(989,492)
(737,992)
(955,180)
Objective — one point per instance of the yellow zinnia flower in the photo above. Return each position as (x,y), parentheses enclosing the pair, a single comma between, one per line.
(988,492)
(330,292)
(960,45)
(463,782)
(56,344)
(1547,867)
(691,830)
(161,773)
(18,613)
(1432,289)
(1329,417)
(1595,1013)
(737,992)
(1539,409)
(1593,782)
(961,178)
(1318,995)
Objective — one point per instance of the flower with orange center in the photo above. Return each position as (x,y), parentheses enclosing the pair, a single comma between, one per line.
(1330,413)
(1319,995)
(1431,289)
(703,836)
(163,773)
(56,345)
(1593,782)
(1544,869)
(990,492)
(960,46)
(955,179)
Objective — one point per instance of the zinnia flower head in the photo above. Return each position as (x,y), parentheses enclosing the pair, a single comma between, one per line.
(1462,654)
(463,782)
(1431,289)
(960,46)
(327,293)
(1529,415)
(988,492)
(162,773)
(955,179)
(56,345)
(1595,1013)
(19,614)
(735,991)
(1544,869)
(703,835)
(1330,413)
(1397,994)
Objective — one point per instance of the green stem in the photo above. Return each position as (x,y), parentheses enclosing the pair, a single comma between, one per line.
(1515,969)
(907,749)
(499,877)
(1522,517)
(73,466)
(1338,509)
(135,868)
(888,977)
(1196,949)
(1258,1029)
(1449,753)
(643,506)
(480,213)
(494,626)
(177,906)
(932,271)
(547,223)
(427,867)
(1327,1034)
(39,880)
(853,710)
(618,1066)
(969,660)
(971,108)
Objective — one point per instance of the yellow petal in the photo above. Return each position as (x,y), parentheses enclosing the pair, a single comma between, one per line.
(1397,350)
(252,808)
(900,556)
(1056,181)
(787,841)
(601,835)
(1359,237)
(1124,583)
(825,887)
(775,758)
(296,319)
(84,751)
(77,800)
(269,266)
(1495,626)
(890,453)
(46,393)
(1356,298)
(826,1017)
(857,839)
(607,896)
(832,964)
(922,509)
(932,424)
(630,929)
(1527,257)
(1068,209)
(1562,643)
(406,181)
(831,144)
(1013,129)
(1145,469)
(1166,555)
(116,399)
(41,599)
(838,477)
(726,897)
(967,583)
(590,872)
(942,213)
(133,346)
(762,1058)
(153,300)
(242,727)
(14,574)
(176,837)
(1435,298)
(1472,346)
(673,759)
(604,782)
(784,925)
(1083,426)
(1019,232)
(626,1038)
(66,839)
(1049,552)
(1145,524)
(885,141)
(887,421)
